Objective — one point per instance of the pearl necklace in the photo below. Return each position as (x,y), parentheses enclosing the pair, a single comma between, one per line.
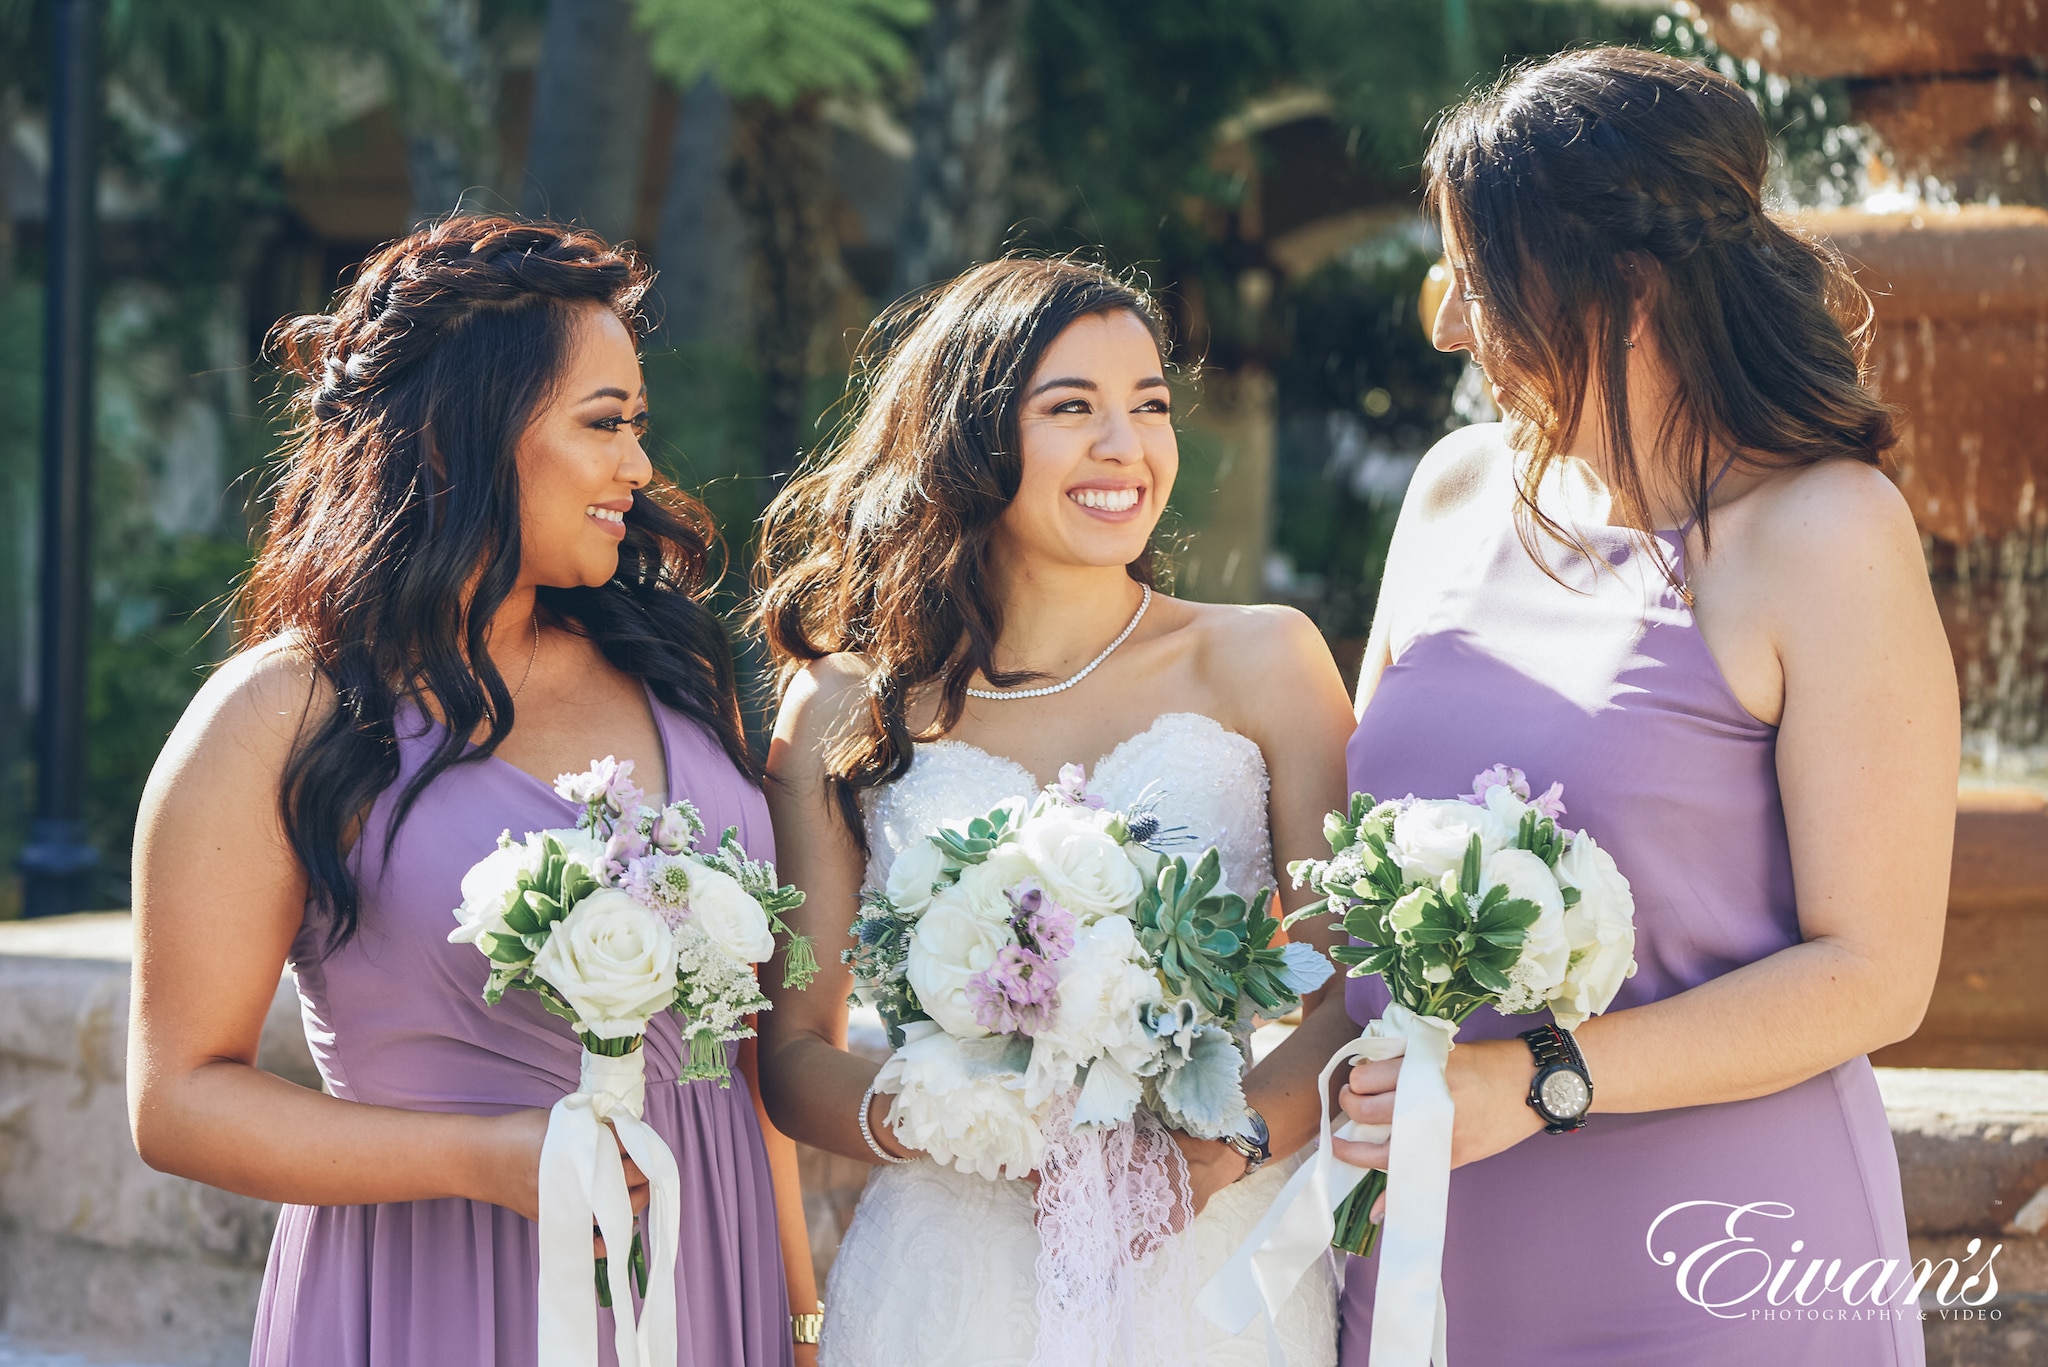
(1086,670)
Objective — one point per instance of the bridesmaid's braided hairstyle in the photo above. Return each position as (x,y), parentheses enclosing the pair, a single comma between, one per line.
(1587,184)
(393,534)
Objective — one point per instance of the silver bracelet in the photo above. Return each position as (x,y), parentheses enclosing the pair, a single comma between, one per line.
(867,1099)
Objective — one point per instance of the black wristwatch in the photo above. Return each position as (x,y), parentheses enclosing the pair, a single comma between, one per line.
(1562,1091)
(1256,1143)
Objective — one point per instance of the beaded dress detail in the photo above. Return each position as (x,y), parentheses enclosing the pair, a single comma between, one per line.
(937,1268)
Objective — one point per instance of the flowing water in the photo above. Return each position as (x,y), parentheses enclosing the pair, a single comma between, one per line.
(1994,602)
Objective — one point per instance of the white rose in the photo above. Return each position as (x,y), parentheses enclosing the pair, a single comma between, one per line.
(915,873)
(1081,867)
(959,935)
(1545,951)
(613,959)
(727,913)
(1430,838)
(961,1103)
(986,886)
(487,892)
(1600,929)
(1510,809)
(1107,990)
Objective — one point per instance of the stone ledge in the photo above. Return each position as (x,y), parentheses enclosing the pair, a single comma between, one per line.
(98,1251)
(1973,1148)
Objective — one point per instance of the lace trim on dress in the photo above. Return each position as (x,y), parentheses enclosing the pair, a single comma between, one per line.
(1111,1274)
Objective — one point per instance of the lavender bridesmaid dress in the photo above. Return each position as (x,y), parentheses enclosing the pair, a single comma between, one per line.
(397,1018)
(1604,682)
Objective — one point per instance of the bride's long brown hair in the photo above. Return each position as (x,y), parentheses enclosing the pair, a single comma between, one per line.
(880,546)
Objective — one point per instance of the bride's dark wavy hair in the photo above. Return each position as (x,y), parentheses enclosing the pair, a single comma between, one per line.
(393,535)
(1585,184)
(880,546)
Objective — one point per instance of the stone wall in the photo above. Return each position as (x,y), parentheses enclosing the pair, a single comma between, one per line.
(97,1250)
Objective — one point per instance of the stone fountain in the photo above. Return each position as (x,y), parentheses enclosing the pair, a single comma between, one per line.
(1957,267)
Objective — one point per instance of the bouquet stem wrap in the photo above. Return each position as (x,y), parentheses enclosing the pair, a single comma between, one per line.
(582,1178)
(1408,1319)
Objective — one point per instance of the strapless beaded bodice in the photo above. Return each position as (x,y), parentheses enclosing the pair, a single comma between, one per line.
(1200,778)
(939,1268)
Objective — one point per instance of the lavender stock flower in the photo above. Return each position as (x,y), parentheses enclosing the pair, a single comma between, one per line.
(1041,923)
(1015,994)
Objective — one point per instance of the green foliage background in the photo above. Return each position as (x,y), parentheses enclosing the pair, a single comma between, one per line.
(211,100)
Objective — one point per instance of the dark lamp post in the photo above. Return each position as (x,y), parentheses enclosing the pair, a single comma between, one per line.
(59,864)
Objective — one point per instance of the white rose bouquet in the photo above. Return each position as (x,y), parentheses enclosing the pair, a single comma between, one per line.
(1059,989)
(612,922)
(1481,900)
(621,918)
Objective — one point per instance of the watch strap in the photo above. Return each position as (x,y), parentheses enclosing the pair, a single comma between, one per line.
(1554,1049)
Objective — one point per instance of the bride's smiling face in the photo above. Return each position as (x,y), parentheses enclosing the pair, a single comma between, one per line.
(1095,436)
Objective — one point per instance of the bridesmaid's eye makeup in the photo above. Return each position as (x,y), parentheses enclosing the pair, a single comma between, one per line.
(638,422)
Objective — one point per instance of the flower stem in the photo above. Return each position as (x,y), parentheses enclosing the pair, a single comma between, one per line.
(1357,1232)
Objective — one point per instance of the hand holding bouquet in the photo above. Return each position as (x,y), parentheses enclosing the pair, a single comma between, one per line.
(1480,900)
(612,922)
(1058,988)
(1476,901)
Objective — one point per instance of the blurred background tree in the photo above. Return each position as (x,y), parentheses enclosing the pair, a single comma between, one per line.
(790,166)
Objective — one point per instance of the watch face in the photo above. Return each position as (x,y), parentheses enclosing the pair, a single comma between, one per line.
(1565,1094)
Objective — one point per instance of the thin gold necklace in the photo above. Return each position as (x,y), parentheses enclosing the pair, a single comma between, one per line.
(531,656)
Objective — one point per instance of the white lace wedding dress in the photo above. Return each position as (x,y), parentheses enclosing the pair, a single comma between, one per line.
(937,1267)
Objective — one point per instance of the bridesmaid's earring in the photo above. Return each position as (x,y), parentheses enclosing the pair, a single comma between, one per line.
(1629,342)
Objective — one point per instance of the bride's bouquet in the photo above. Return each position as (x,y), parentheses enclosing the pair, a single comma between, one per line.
(1457,903)
(1058,988)
(612,922)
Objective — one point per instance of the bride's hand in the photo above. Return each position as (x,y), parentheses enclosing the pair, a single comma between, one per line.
(1212,1166)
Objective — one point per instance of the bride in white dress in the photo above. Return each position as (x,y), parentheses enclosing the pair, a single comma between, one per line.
(959,596)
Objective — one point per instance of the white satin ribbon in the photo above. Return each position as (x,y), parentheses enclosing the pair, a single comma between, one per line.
(581,1178)
(1408,1321)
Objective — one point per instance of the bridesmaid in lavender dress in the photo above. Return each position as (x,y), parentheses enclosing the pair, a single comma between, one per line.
(467,521)
(1761,728)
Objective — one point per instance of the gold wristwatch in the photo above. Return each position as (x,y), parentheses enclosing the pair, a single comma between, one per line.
(807,1328)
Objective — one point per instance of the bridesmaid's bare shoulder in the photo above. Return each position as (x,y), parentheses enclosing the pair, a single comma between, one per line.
(223,765)
(1458,471)
(819,701)
(253,709)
